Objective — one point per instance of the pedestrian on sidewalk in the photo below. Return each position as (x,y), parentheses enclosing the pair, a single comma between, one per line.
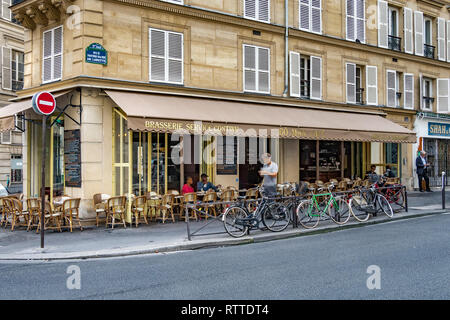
(421,169)
(269,171)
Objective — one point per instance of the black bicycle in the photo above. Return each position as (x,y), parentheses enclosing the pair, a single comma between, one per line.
(238,220)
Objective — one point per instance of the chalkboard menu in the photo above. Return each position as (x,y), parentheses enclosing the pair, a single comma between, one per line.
(72,158)
(226,159)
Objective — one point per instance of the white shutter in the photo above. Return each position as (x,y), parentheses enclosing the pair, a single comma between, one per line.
(391,86)
(250,9)
(408,30)
(350,20)
(264,10)
(47,56)
(382,24)
(157,55)
(57,53)
(443,95)
(316,78)
(418,33)
(305,15)
(310,15)
(6,137)
(294,62)
(6,69)
(316,16)
(441,38)
(263,63)
(408,86)
(249,68)
(372,85)
(6,12)
(448,40)
(360,21)
(351,82)
(420,91)
(175,57)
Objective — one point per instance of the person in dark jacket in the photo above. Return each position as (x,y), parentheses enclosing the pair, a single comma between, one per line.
(389,173)
(421,169)
(205,185)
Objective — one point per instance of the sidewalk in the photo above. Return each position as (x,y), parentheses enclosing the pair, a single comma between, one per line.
(99,242)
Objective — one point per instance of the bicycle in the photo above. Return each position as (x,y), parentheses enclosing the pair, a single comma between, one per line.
(309,212)
(238,220)
(394,194)
(368,202)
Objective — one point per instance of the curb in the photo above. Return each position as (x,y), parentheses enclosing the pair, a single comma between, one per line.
(211,243)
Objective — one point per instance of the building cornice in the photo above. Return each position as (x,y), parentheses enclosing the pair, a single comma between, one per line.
(438,4)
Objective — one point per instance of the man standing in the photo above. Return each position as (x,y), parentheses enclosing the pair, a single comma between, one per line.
(269,171)
(421,169)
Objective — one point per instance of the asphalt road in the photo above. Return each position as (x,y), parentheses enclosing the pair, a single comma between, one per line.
(413,257)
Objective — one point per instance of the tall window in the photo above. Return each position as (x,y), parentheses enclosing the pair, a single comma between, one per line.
(121,156)
(17,70)
(257,10)
(5,11)
(16,168)
(393,38)
(52,58)
(306,76)
(310,15)
(427,94)
(427,37)
(256,69)
(166,56)
(360,79)
(355,20)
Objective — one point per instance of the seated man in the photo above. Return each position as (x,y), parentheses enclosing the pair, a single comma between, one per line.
(389,173)
(372,174)
(204,184)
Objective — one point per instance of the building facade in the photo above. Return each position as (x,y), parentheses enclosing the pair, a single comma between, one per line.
(12,78)
(327,87)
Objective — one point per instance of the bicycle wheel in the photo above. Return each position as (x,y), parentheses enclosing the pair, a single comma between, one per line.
(307,214)
(358,207)
(340,214)
(276,217)
(232,221)
(397,200)
(384,205)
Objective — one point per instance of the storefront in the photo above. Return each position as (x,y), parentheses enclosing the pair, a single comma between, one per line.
(433,136)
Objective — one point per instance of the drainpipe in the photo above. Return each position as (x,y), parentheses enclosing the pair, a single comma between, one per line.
(286,48)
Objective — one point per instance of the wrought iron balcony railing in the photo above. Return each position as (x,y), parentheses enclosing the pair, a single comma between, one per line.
(428,51)
(427,102)
(395,43)
(360,95)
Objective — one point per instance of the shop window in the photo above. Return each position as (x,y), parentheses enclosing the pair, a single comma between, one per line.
(257,10)
(52,54)
(166,56)
(310,13)
(121,158)
(256,69)
(308,160)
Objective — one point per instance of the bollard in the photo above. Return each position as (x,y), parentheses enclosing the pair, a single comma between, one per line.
(186,212)
(443,190)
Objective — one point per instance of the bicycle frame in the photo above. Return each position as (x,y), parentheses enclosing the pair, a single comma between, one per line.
(314,202)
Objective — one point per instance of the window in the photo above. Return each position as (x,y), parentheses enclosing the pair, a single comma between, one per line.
(17,70)
(408,87)
(357,84)
(5,11)
(427,98)
(310,13)
(394,41)
(443,95)
(52,57)
(393,93)
(355,20)
(359,88)
(16,168)
(121,156)
(306,76)
(257,10)
(5,137)
(256,69)
(428,47)
(166,56)
(19,122)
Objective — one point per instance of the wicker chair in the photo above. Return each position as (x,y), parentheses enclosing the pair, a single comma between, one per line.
(138,209)
(34,209)
(52,220)
(99,206)
(208,204)
(116,208)
(166,207)
(153,201)
(70,209)
(18,216)
(189,198)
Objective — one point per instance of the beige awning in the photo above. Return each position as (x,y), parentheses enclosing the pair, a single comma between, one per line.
(7,113)
(164,113)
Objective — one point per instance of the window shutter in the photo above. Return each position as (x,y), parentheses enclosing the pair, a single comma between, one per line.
(157,55)
(6,137)
(391,85)
(175,57)
(250,9)
(47,59)
(443,95)
(6,12)
(263,70)
(372,85)
(316,78)
(360,21)
(6,69)
(57,53)
(295,74)
(382,24)
(441,38)
(304,15)
(448,40)
(264,10)
(316,16)
(408,86)
(249,68)
(351,82)
(408,30)
(418,33)
(350,20)
(421,91)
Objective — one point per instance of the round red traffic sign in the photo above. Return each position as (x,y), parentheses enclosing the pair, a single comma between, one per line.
(44,103)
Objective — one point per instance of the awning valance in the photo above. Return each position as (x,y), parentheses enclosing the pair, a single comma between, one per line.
(163,113)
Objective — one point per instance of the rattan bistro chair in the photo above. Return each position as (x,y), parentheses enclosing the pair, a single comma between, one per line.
(18,216)
(52,219)
(139,209)
(70,210)
(34,209)
(116,208)
(209,204)
(166,207)
(4,210)
(99,206)
(189,198)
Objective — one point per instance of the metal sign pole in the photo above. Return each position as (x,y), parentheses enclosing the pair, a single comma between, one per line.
(44,142)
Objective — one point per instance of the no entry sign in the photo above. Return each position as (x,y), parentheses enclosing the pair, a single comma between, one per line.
(44,103)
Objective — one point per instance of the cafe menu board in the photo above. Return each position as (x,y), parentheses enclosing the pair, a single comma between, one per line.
(226,157)
(72,158)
